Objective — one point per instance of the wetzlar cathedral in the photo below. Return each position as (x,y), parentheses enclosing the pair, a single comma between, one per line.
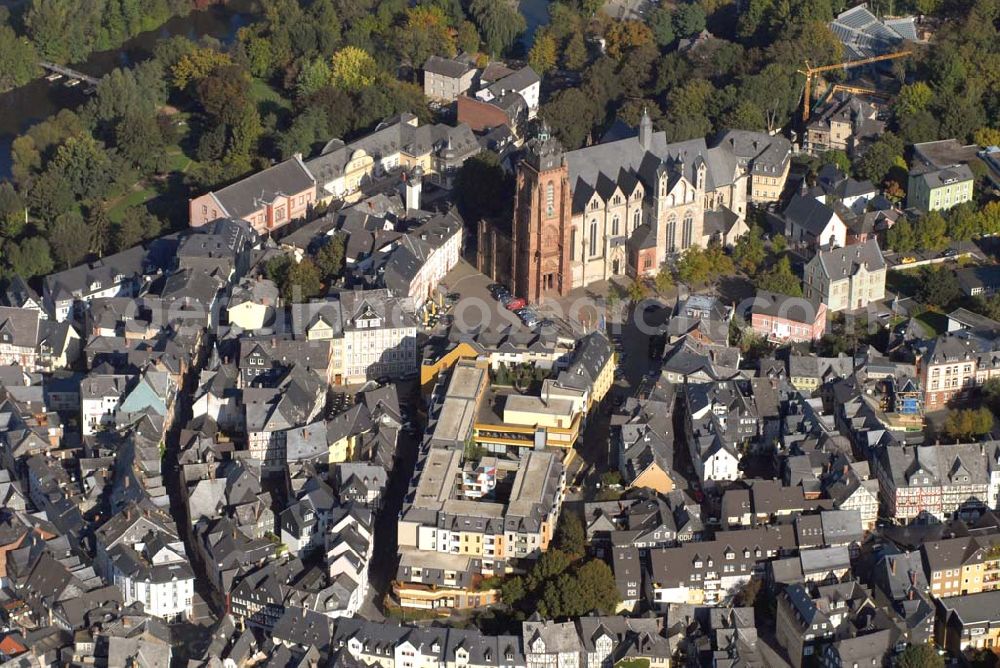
(624,206)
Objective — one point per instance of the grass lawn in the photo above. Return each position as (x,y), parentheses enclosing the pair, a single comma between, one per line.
(265,95)
(934,321)
(133,198)
(178,162)
(904,283)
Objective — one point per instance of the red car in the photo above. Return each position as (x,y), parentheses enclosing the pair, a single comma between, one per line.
(516,303)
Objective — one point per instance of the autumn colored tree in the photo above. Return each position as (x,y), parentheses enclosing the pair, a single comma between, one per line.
(353,69)
(622,36)
(196,65)
(542,56)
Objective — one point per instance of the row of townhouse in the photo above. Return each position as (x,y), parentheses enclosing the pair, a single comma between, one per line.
(289,191)
(937,481)
(588,642)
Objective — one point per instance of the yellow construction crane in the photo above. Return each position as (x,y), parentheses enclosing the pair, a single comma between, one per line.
(810,72)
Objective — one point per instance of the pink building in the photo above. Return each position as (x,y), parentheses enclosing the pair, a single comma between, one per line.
(784,318)
(268,200)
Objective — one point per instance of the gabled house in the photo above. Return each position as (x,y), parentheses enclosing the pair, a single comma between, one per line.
(809,222)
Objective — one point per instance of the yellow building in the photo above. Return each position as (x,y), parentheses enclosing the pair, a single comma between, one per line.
(441,360)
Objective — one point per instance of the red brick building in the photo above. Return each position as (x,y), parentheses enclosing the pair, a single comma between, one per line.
(783,318)
(267,200)
(542,216)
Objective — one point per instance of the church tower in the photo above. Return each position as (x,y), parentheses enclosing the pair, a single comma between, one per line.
(541,233)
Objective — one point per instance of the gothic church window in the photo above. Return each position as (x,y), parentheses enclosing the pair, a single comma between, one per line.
(550,199)
(593,237)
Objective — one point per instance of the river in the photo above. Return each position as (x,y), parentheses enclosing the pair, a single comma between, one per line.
(23,107)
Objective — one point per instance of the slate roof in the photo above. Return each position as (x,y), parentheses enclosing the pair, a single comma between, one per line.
(390,137)
(840,263)
(797,309)
(447,67)
(250,194)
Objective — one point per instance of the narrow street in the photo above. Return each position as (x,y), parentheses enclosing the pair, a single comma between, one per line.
(382,569)
(190,638)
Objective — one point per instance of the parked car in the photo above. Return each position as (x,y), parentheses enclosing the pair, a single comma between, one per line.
(951,252)
(496,289)
(515,303)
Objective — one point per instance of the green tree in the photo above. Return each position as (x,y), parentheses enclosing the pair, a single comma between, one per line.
(315,74)
(571,114)
(31,257)
(353,69)
(552,562)
(139,140)
(11,211)
(468,37)
(542,56)
(512,590)
(570,536)
(749,251)
(838,159)
(69,238)
(330,257)
(51,195)
(127,233)
(18,59)
(661,22)
(574,56)
(938,286)
(302,282)
(919,656)
(901,237)
(308,128)
(99,224)
(689,19)
(637,290)
(931,231)
(880,157)
(663,280)
(990,218)
(912,99)
(591,587)
(499,23)
(85,166)
(968,423)
(781,279)
(694,267)
(964,222)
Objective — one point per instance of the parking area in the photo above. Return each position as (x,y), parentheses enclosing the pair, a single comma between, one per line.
(476,310)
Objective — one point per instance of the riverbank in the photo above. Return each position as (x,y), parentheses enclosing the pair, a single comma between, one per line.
(27,105)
